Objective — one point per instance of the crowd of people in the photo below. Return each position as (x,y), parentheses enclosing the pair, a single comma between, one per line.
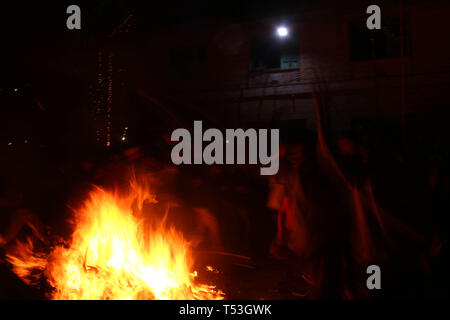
(337,205)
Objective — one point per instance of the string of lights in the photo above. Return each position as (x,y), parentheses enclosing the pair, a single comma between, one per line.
(104,90)
(109,99)
(103,98)
(124,26)
(98,102)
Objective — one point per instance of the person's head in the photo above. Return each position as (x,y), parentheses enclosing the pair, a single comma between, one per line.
(346,146)
(296,154)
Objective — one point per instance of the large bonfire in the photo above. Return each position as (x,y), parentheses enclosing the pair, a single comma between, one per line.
(115,253)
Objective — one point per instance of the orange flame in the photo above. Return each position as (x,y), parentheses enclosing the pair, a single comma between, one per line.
(115,254)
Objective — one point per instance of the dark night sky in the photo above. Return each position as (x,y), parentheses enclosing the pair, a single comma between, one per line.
(36,31)
(27,26)
(100,15)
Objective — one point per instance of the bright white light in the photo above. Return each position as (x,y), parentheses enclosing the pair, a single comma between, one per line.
(282,32)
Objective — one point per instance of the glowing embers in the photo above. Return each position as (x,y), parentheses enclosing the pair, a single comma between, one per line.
(114,253)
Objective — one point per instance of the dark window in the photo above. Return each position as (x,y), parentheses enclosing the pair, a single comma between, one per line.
(268,52)
(385,43)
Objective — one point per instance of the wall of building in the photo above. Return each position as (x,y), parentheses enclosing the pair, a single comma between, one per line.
(222,88)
